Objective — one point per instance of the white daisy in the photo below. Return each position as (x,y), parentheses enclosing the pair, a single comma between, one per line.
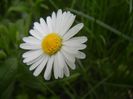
(52,46)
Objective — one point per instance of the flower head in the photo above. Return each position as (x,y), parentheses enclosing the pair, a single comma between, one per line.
(52,45)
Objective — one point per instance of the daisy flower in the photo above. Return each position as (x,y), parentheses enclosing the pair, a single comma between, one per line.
(52,46)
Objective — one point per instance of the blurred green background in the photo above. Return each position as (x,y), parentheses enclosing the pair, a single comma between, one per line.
(106,73)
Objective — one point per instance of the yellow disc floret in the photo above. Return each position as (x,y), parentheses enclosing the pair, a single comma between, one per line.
(51,43)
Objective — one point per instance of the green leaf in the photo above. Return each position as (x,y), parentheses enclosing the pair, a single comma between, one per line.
(2,54)
(19,8)
(22,96)
(7,77)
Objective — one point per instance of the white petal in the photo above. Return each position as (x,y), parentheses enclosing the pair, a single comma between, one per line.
(58,21)
(75,46)
(66,71)
(80,40)
(30,46)
(34,60)
(74,52)
(69,59)
(31,40)
(36,35)
(54,21)
(40,67)
(49,23)
(60,70)
(69,21)
(60,64)
(60,59)
(80,55)
(56,71)
(80,47)
(37,63)
(38,27)
(30,58)
(69,50)
(70,64)
(73,31)
(48,70)
(61,23)
(68,56)
(44,26)
(31,53)
(41,35)
(59,12)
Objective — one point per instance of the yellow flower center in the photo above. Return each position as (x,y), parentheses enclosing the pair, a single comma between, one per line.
(51,43)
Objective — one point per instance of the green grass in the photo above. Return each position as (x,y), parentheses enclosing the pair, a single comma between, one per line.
(106,73)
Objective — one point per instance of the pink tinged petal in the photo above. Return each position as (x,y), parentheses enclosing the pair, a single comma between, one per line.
(35,34)
(73,31)
(44,26)
(48,70)
(31,53)
(49,23)
(36,64)
(31,40)
(27,46)
(39,69)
